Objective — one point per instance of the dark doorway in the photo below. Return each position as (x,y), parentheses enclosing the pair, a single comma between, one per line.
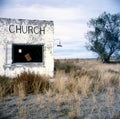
(27,53)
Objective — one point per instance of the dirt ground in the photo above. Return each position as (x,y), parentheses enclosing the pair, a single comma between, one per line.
(103,106)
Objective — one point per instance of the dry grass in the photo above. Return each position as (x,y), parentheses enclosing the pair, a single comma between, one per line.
(24,84)
(60,82)
(31,83)
(73,78)
(86,76)
(5,86)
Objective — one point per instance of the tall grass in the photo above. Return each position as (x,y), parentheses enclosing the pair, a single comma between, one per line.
(71,76)
(5,86)
(65,95)
(24,84)
(86,77)
(31,82)
(60,82)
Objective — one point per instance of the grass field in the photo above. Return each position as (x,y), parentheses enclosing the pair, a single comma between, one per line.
(80,89)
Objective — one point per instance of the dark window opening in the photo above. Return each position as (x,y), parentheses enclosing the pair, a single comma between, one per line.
(27,53)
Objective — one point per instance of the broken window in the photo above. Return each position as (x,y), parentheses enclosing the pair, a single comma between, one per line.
(27,53)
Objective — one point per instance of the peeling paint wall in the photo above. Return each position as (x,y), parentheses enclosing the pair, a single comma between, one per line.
(9,36)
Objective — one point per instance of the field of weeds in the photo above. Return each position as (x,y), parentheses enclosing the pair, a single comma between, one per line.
(80,89)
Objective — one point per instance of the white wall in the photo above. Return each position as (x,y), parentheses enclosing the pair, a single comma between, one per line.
(7,39)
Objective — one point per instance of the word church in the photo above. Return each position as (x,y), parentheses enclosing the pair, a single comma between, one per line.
(26,29)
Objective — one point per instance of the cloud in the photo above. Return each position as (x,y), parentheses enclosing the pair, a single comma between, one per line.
(70,19)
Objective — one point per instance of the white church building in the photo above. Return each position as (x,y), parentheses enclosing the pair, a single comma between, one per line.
(26,45)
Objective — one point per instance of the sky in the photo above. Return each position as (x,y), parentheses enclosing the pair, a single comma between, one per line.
(70,20)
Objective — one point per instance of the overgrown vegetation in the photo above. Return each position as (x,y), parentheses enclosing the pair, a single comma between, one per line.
(67,66)
(70,77)
(5,86)
(24,84)
(75,82)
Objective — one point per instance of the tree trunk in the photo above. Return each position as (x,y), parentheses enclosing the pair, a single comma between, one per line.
(106,60)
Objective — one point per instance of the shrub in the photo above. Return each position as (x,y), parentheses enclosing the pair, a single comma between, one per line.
(5,86)
(67,66)
(30,83)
